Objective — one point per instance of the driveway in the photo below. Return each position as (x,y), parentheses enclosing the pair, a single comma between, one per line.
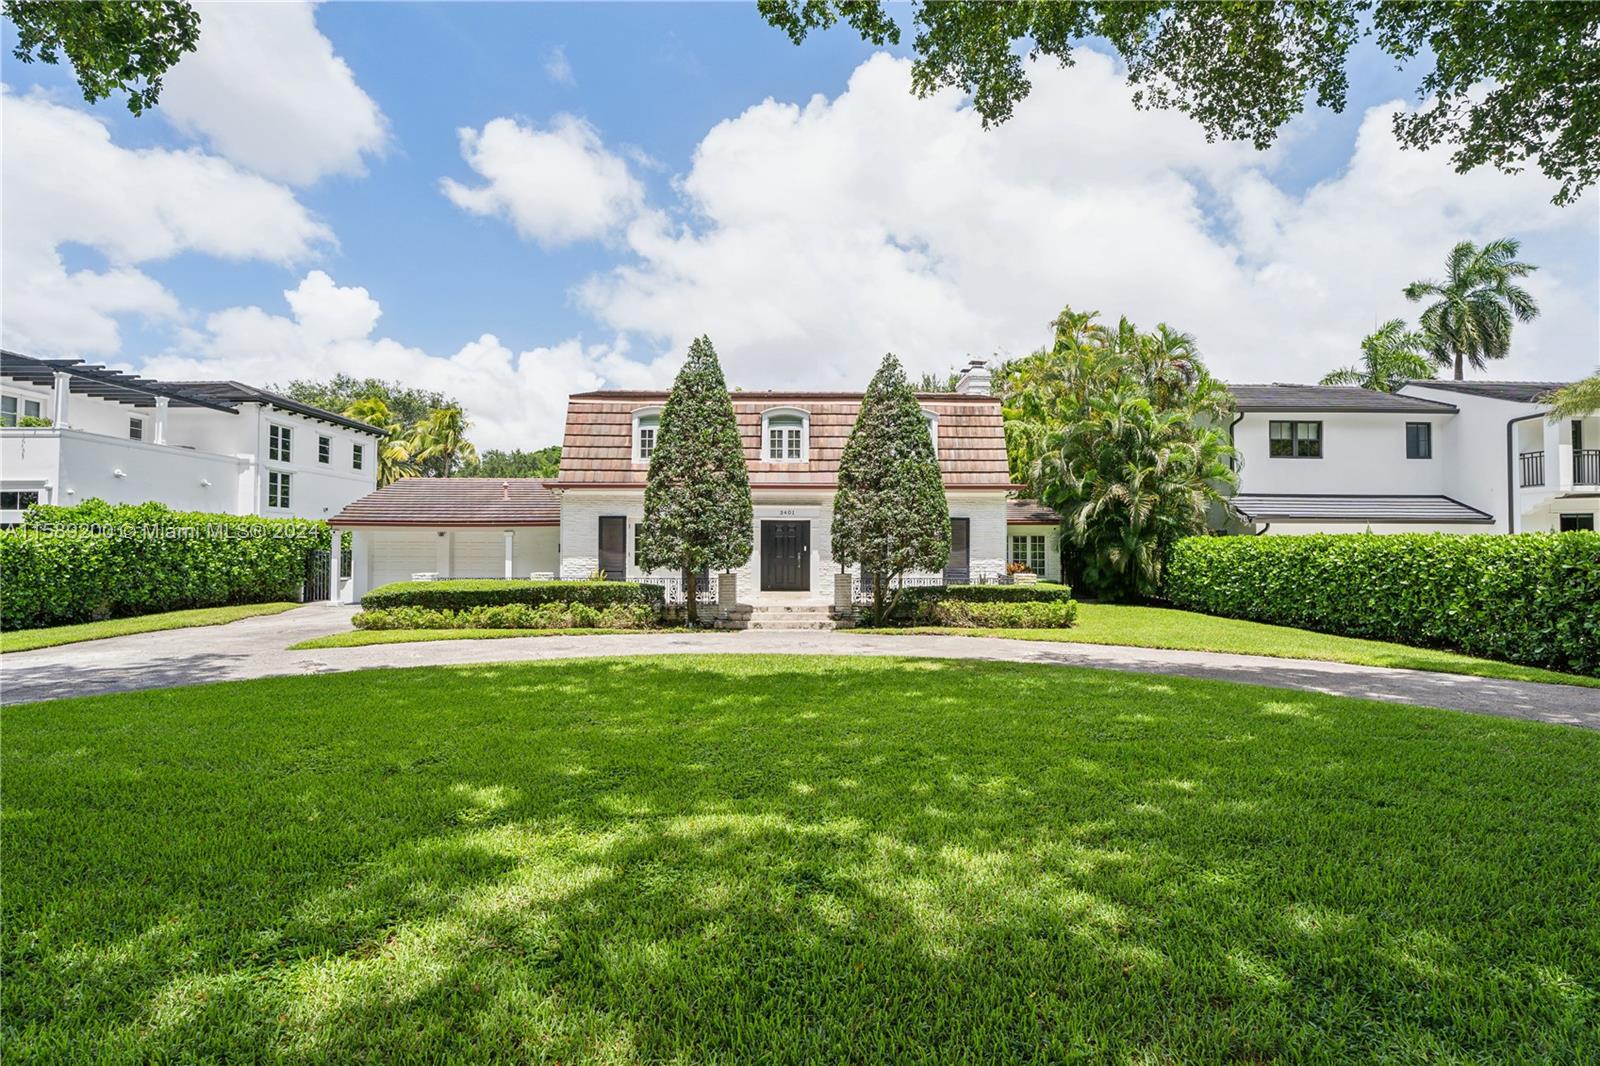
(256,647)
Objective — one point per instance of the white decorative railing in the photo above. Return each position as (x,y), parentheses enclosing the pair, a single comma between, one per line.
(672,588)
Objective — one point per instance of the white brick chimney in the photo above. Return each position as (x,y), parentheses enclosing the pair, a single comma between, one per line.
(974,379)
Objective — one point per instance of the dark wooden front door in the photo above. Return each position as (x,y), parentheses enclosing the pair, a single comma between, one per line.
(785,556)
(614,547)
(958,571)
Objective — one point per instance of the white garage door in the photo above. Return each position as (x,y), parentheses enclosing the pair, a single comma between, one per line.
(396,556)
(478,554)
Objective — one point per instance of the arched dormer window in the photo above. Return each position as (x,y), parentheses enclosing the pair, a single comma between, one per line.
(646,427)
(932,419)
(785,435)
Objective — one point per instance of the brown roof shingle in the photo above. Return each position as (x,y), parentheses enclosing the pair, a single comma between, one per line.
(598,446)
(455,501)
(1030,513)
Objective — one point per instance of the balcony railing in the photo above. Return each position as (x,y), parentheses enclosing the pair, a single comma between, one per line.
(1586,466)
(1532,468)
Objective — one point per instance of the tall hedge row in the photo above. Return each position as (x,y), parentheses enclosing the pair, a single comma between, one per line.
(100,560)
(1527,598)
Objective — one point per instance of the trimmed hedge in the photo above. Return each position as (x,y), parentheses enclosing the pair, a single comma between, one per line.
(1034,614)
(513,616)
(460,593)
(1526,598)
(1040,592)
(98,560)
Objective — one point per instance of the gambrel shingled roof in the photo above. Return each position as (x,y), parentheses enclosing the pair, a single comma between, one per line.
(597,449)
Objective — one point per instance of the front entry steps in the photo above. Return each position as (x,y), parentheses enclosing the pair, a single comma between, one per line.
(776,616)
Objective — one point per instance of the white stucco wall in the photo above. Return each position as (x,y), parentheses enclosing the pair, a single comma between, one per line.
(581,511)
(381,554)
(1362,454)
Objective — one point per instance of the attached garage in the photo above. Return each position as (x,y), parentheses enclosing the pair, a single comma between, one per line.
(452,527)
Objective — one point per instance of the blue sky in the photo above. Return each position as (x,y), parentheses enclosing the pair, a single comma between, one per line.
(805,238)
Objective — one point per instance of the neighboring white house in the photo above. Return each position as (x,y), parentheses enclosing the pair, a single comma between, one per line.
(586,520)
(1452,456)
(215,446)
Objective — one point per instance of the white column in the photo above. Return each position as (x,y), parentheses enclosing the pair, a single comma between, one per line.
(63,387)
(160,435)
(333,566)
(511,548)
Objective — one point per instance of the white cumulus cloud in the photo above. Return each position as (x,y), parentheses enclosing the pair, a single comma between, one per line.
(810,239)
(555,185)
(66,183)
(266,89)
(514,399)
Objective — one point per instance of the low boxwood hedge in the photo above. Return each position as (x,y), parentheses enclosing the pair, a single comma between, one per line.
(460,593)
(513,616)
(1527,598)
(1041,592)
(1002,614)
(98,560)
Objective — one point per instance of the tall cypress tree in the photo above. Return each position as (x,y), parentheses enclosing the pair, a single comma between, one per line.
(697,511)
(890,514)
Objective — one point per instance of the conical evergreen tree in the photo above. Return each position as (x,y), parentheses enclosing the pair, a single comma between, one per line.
(890,515)
(697,511)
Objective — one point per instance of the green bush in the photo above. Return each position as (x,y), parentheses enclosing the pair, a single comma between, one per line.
(1527,598)
(513,616)
(1001,614)
(98,560)
(459,593)
(916,601)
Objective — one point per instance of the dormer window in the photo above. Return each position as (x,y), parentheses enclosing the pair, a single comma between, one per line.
(646,430)
(785,435)
(933,429)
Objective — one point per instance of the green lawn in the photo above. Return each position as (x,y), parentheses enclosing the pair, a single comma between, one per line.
(740,859)
(28,639)
(1162,627)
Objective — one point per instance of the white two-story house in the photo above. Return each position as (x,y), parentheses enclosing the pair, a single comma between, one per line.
(586,521)
(1451,456)
(70,432)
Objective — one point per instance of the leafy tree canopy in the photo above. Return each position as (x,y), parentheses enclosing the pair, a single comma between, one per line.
(113,45)
(697,509)
(1469,321)
(1391,355)
(1123,433)
(890,514)
(545,463)
(1577,400)
(1506,83)
(406,405)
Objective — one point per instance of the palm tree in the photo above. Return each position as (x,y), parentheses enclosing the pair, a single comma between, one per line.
(440,441)
(394,453)
(1577,399)
(1391,355)
(1475,307)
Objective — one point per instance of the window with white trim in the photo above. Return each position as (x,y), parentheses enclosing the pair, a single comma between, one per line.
(649,427)
(324,449)
(1027,549)
(13,409)
(136,429)
(279,443)
(786,438)
(358,456)
(277,489)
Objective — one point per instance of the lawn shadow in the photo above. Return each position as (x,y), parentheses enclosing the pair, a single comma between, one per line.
(684,860)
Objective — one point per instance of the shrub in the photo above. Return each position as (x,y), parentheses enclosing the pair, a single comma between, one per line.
(1000,614)
(917,601)
(456,594)
(512,616)
(99,560)
(1527,598)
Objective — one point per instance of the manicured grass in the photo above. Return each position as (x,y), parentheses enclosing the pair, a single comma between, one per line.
(28,639)
(742,859)
(360,638)
(1161,627)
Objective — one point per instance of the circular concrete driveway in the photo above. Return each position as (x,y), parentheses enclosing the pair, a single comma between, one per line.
(258,647)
